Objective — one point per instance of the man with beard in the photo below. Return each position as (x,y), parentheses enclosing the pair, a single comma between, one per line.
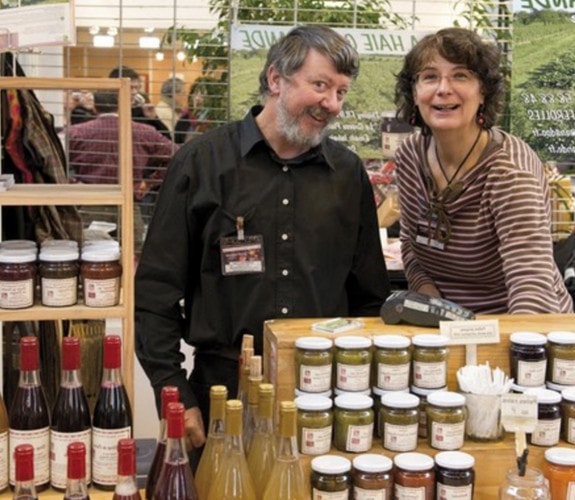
(261,218)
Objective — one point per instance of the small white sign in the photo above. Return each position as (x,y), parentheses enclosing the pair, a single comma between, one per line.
(484,331)
(519,412)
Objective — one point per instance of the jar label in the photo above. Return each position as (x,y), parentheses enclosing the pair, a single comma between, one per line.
(59,292)
(571,430)
(393,377)
(359,438)
(59,442)
(429,375)
(400,437)
(3,460)
(40,441)
(330,495)
(16,294)
(101,293)
(570,491)
(563,371)
(409,492)
(315,378)
(352,377)
(105,453)
(546,432)
(363,494)
(531,373)
(447,436)
(446,492)
(316,441)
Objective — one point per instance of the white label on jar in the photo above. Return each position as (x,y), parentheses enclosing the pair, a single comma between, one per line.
(329,495)
(40,441)
(101,293)
(390,141)
(429,375)
(352,377)
(563,371)
(16,294)
(531,373)
(59,292)
(400,437)
(447,436)
(105,453)
(363,494)
(546,432)
(570,491)
(315,378)
(409,493)
(393,377)
(359,438)
(3,460)
(316,441)
(571,430)
(59,442)
(445,492)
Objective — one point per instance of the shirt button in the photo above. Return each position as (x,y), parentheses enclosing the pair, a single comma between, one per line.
(285,236)
(284,310)
(285,201)
(285,168)
(285,272)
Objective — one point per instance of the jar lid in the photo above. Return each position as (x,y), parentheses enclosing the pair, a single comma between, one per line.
(561,337)
(326,394)
(101,243)
(400,400)
(380,392)
(568,394)
(522,388)
(372,462)
(313,403)
(100,255)
(414,461)
(313,343)
(18,244)
(18,256)
(352,401)
(422,391)
(59,244)
(331,464)
(58,254)
(560,455)
(544,396)
(351,342)
(454,460)
(528,338)
(391,341)
(429,340)
(446,399)
(558,387)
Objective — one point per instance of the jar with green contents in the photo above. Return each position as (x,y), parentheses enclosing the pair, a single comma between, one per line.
(314,424)
(313,364)
(568,415)
(561,358)
(445,420)
(352,363)
(399,421)
(528,358)
(429,363)
(372,477)
(391,362)
(330,478)
(376,394)
(353,423)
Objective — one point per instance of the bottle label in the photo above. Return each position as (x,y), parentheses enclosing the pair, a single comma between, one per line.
(400,437)
(3,460)
(105,453)
(359,438)
(363,494)
(329,495)
(16,294)
(352,377)
(546,432)
(447,436)
(59,442)
(101,293)
(59,292)
(315,378)
(563,371)
(316,441)
(570,490)
(531,373)
(429,375)
(393,377)
(409,493)
(446,492)
(40,441)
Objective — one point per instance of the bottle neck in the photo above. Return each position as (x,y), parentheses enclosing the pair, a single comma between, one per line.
(126,485)
(29,378)
(163,436)
(70,379)
(76,488)
(233,439)
(176,451)
(113,375)
(25,489)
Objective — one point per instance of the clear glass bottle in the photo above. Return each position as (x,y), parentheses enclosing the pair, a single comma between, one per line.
(76,484)
(255,378)
(530,486)
(126,485)
(24,488)
(213,449)
(286,481)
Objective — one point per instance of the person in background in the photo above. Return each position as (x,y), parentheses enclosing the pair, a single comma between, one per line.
(195,119)
(81,106)
(172,102)
(261,218)
(474,200)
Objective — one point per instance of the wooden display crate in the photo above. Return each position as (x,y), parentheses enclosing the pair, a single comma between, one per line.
(492,459)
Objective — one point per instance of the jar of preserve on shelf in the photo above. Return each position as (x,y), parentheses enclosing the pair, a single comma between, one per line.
(353,423)
(18,270)
(414,476)
(330,477)
(391,362)
(352,363)
(454,475)
(314,424)
(548,428)
(559,470)
(101,273)
(561,358)
(528,358)
(568,415)
(399,421)
(445,420)
(429,361)
(313,364)
(59,270)
(372,477)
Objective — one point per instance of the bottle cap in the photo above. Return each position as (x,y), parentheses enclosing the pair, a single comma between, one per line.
(29,358)
(112,351)
(170,394)
(175,419)
(126,457)
(76,460)
(70,353)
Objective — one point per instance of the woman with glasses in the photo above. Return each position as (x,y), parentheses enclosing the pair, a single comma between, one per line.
(474,200)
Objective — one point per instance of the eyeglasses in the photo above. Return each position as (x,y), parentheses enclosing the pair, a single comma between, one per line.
(432,79)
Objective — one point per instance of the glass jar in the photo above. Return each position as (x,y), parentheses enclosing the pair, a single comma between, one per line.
(548,428)
(17,277)
(559,470)
(399,421)
(101,272)
(330,477)
(59,270)
(376,394)
(414,476)
(313,364)
(422,395)
(314,424)
(531,486)
(454,475)
(353,423)
(352,363)
(429,363)
(372,477)
(561,358)
(391,362)
(445,420)
(568,415)
(528,358)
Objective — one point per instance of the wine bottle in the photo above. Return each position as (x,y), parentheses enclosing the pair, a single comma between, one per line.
(286,481)
(126,484)
(4,472)
(29,416)
(212,455)
(76,481)
(170,394)
(112,417)
(262,454)
(176,481)
(24,487)
(71,420)
(233,480)
(244,373)
(254,380)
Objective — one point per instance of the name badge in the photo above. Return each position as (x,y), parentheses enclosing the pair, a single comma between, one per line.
(242,256)
(431,235)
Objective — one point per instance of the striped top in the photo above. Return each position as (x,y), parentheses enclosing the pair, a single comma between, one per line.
(499,257)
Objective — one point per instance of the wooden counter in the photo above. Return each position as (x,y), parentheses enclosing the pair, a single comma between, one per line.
(492,459)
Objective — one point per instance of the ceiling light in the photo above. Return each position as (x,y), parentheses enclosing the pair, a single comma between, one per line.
(159,56)
(112,31)
(94,30)
(181,55)
(103,41)
(149,42)
(149,29)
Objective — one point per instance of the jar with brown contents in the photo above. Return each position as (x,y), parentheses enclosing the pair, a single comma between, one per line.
(17,278)
(372,477)
(331,477)
(59,270)
(414,476)
(101,272)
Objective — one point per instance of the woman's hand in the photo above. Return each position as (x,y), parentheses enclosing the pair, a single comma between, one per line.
(429,289)
(195,434)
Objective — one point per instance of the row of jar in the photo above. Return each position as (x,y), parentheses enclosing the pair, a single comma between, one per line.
(59,273)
